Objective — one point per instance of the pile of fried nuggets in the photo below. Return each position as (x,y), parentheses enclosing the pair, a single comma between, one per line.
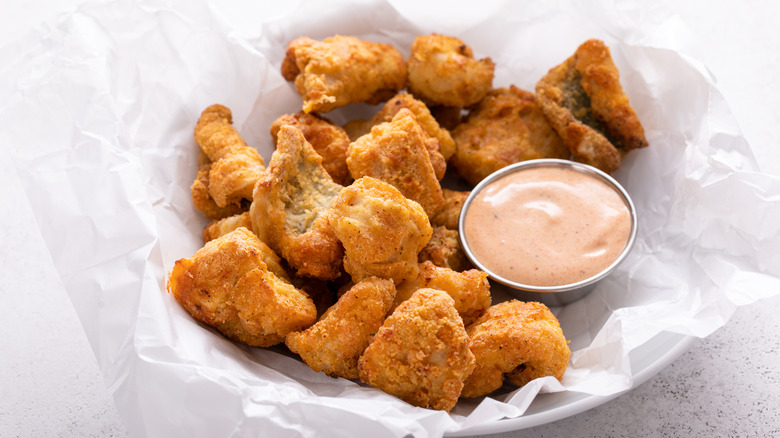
(345,247)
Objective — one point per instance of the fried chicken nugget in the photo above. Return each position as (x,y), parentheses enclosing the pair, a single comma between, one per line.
(290,208)
(585,103)
(449,214)
(442,70)
(203,201)
(444,250)
(335,343)
(329,140)
(218,228)
(506,127)
(381,230)
(228,285)
(342,70)
(395,153)
(517,340)
(235,167)
(421,353)
(470,289)
(444,149)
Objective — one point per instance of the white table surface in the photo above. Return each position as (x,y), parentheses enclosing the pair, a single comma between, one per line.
(725,385)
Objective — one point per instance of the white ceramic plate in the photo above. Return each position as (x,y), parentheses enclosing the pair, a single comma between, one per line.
(646,361)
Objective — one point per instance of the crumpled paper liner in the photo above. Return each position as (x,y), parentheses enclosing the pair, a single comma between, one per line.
(98,109)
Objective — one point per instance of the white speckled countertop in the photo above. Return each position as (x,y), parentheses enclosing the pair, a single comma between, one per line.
(727,384)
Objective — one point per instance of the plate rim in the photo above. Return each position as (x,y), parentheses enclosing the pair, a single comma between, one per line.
(642,370)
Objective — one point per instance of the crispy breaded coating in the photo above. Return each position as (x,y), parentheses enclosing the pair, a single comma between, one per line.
(395,153)
(235,167)
(381,230)
(449,214)
(444,250)
(421,353)
(470,289)
(218,228)
(335,343)
(290,208)
(519,341)
(506,127)
(204,203)
(585,103)
(342,70)
(442,70)
(329,140)
(446,145)
(227,284)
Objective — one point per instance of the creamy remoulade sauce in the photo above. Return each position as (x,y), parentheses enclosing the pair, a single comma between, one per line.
(547,226)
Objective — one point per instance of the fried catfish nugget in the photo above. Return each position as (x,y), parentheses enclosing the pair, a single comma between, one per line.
(442,70)
(335,343)
(421,353)
(395,153)
(516,340)
(444,250)
(228,285)
(218,228)
(585,103)
(470,289)
(235,167)
(446,146)
(329,140)
(290,208)
(381,230)
(449,214)
(203,202)
(342,70)
(506,127)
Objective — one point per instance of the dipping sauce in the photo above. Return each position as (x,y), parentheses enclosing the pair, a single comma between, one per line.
(547,226)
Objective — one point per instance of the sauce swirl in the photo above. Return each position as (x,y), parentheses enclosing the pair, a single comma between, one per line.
(547,226)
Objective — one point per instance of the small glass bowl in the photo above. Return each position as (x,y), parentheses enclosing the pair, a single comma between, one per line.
(550,295)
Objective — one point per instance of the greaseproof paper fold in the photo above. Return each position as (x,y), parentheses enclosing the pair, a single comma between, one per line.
(98,110)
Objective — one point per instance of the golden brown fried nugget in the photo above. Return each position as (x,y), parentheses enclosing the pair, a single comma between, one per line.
(342,70)
(235,167)
(329,140)
(449,214)
(444,250)
(446,145)
(421,353)
(470,289)
(338,339)
(381,230)
(218,228)
(506,127)
(290,208)
(520,341)
(204,203)
(227,284)
(585,103)
(395,153)
(442,70)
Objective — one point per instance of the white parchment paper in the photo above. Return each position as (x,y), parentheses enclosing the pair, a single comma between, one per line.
(98,110)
